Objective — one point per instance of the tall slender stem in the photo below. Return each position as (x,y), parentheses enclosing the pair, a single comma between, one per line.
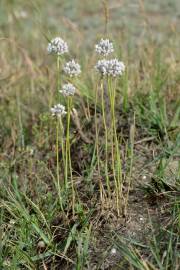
(57,163)
(67,142)
(68,165)
(114,143)
(106,139)
(58,72)
(97,142)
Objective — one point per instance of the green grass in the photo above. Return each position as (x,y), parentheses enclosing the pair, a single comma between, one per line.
(41,226)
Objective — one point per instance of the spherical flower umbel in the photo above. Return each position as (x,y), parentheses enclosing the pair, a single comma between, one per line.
(102,66)
(112,67)
(58,110)
(72,68)
(104,47)
(68,89)
(115,67)
(57,46)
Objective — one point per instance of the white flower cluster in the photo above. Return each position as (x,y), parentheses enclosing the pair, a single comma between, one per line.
(104,47)
(72,68)
(102,66)
(68,89)
(112,67)
(115,67)
(57,46)
(58,110)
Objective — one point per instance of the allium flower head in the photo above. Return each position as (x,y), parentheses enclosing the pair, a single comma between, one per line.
(72,68)
(104,47)
(102,66)
(58,110)
(57,46)
(112,67)
(115,67)
(68,89)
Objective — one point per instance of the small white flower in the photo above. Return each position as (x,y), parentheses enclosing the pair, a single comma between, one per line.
(58,110)
(41,245)
(112,67)
(104,47)
(113,251)
(12,221)
(57,46)
(68,89)
(102,66)
(72,68)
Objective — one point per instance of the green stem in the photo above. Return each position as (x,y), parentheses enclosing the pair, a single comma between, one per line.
(57,163)
(68,164)
(67,142)
(117,171)
(58,77)
(106,139)
(97,141)
(62,142)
